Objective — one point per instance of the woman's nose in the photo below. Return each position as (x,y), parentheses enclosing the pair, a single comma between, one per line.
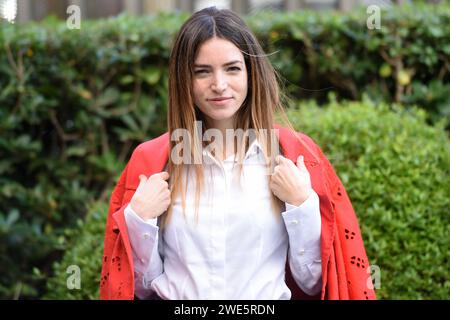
(219,83)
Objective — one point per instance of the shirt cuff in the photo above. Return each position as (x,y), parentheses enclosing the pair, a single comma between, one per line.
(143,237)
(308,205)
(129,211)
(303,224)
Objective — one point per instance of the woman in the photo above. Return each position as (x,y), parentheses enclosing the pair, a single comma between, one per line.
(227,204)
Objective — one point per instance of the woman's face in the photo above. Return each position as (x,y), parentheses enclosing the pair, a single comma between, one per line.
(220,81)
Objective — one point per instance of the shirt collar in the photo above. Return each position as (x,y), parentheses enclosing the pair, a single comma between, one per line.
(254,148)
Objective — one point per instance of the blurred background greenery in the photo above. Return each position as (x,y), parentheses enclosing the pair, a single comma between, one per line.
(75,103)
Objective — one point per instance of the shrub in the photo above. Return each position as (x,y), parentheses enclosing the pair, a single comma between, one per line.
(74,103)
(396,171)
(84,249)
(73,107)
(405,61)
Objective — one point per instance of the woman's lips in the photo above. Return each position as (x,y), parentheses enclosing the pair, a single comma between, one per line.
(219,101)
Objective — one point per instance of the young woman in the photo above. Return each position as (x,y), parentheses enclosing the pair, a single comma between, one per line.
(228,204)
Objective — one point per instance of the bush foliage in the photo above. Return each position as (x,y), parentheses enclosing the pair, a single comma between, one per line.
(74,103)
(84,250)
(396,171)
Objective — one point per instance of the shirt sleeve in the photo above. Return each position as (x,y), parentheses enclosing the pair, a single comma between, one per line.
(303,224)
(144,238)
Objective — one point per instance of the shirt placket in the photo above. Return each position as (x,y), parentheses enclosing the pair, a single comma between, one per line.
(218,233)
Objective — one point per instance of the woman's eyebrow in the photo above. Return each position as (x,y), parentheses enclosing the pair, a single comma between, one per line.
(208,66)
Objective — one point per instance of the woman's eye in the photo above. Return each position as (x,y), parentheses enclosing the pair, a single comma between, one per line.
(205,71)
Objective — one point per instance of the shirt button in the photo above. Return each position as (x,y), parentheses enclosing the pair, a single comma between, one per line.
(294,221)
(143,260)
(301,252)
(146,236)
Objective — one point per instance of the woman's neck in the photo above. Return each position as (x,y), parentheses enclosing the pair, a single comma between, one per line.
(227,147)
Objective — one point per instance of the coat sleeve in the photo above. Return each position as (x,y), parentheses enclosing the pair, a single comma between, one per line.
(350,264)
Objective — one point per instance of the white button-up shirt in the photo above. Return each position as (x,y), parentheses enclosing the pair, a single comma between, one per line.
(238,247)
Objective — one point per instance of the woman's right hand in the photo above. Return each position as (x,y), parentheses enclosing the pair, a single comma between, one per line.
(152,196)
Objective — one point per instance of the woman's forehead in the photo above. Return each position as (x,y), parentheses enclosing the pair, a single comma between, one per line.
(218,52)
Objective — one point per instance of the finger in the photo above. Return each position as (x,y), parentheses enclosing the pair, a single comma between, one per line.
(142,179)
(277,159)
(163,175)
(276,171)
(300,162)
(272,184)
(286,161)
(274,188)
(274,180)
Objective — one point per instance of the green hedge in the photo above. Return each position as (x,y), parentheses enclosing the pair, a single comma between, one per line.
(74,103)
(407,61)
(84,249)
(396,171)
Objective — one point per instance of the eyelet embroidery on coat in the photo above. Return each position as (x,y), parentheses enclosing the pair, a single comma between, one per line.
(364,292)
(349,235)
(117,260)
(104,279)
(119,290)
(311,164)
(339,193)
(358,261)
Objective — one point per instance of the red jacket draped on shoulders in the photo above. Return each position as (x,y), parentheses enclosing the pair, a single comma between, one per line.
(345,267)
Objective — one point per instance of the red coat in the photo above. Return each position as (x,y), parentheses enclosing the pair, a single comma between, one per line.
(345,273)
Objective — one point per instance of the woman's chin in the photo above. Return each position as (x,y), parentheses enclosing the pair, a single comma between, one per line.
(221,115)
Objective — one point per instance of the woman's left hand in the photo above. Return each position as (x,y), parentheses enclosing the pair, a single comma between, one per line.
(289,182)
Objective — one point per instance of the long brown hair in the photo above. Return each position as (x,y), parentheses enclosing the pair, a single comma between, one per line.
(257,111)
